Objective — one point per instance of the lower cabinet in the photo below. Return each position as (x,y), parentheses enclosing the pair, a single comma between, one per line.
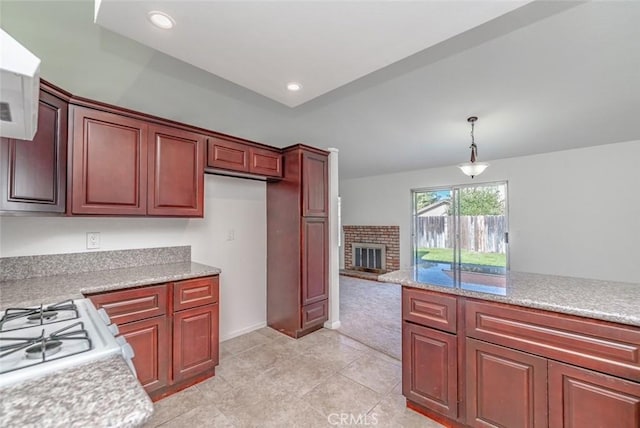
(581,398)
(513,367)
(172,328)
(150,340)
(195,341)
(505,388)
(429,375)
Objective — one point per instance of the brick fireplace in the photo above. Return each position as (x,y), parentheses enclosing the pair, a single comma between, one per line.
(356,238)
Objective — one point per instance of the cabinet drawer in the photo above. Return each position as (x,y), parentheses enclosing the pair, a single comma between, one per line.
(195,292)
(314,314)
(602,346)
(133,305)
(429,309)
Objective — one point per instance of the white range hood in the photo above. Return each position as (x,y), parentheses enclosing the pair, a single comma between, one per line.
(19,89)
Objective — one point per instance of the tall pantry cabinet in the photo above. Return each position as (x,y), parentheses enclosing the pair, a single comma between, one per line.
(297,243)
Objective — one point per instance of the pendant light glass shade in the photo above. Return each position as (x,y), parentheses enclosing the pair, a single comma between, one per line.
(473,168)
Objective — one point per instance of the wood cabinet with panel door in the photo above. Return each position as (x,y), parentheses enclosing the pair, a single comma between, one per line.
(176,172)
(108,163)
(172,328)
(33,177)
(195,328)
(122,165)
(231,154)
(297,243)
(585,398)
(505,388)
(430,351)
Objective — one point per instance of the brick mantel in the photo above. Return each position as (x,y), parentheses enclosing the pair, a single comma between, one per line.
(389,236)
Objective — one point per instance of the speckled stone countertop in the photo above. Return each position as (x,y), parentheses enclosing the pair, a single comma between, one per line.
(102,393)
(57,288)
(605,300)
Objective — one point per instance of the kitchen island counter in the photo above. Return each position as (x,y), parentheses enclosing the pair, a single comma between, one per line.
(605,300)
(102,393)
(57,288)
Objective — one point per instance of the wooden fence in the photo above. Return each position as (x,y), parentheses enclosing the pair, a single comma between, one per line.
(483,234)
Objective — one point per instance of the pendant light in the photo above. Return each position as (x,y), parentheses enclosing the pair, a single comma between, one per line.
(473,168)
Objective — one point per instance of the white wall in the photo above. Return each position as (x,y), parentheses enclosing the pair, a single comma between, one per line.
(574,212)
(230,204)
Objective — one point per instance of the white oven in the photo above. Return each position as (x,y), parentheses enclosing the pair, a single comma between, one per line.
(38,341)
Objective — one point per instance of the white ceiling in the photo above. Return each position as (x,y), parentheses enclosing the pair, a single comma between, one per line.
(548,76)
(323,45)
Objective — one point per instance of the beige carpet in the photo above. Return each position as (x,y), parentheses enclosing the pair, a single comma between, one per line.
(370,312)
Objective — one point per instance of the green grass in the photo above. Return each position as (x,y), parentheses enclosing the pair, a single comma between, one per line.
(446,255)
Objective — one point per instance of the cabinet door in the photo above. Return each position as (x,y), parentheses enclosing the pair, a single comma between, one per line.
(265,162)
(429,368)
(34,172)
(227,154)
(505,388)
(150,340)
(583,398)
(195,341)
(314,260)
(315,178)
(176,172)
(109,169)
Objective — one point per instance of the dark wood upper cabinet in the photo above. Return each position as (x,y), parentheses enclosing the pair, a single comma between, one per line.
(227,154)
(34,172)
(235,155)
(315,180)
(109,163)
(176,172)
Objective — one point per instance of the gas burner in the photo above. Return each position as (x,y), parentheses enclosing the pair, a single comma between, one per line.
(40,347)
(17,318)
(43,316)
(37,351)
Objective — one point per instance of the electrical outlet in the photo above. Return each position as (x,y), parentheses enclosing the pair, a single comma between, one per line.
(93,240)
(231,235)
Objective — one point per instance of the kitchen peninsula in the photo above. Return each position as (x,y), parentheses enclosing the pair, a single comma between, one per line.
(540,351)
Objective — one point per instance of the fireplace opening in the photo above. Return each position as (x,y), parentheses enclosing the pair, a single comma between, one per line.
(368,257)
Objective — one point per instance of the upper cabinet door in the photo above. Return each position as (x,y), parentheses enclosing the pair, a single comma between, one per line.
(34,172)
(176,172)
(265,162)
(227,154)
(314,184)
(109,170)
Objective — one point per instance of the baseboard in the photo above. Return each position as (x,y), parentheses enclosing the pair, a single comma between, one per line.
(242,331)
(333,325)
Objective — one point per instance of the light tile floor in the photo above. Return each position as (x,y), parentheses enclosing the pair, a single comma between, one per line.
(266,379)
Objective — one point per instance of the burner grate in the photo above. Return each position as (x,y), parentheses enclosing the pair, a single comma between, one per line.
(37,315)
(40,348)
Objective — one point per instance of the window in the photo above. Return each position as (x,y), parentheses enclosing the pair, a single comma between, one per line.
(460,235)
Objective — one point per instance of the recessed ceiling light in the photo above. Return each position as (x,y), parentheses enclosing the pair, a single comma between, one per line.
(294,86)
(161,20)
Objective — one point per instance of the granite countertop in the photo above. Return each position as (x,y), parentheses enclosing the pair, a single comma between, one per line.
(605,300)
(57,288)
(102,393)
